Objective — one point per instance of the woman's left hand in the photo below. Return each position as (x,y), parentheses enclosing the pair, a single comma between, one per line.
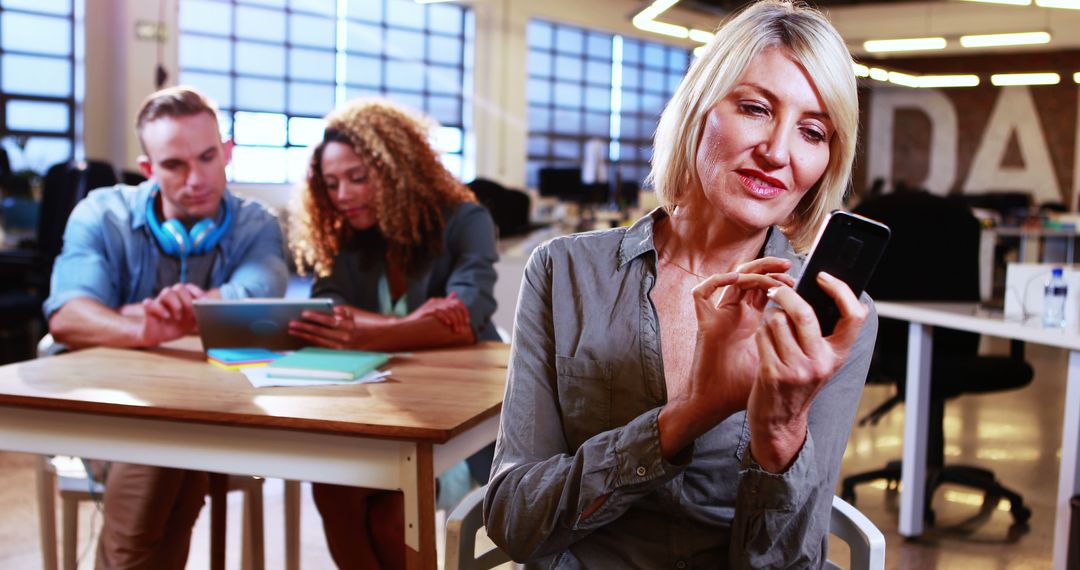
(338,330)
(796,362)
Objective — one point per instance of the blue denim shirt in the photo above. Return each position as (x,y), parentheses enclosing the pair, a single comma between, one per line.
(110,255)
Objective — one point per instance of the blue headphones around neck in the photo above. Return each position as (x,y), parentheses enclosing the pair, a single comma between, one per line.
(177,241)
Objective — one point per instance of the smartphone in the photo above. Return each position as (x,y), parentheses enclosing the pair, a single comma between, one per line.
(848,248)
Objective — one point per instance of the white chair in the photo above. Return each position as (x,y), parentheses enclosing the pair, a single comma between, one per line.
(866,542)
(74,487)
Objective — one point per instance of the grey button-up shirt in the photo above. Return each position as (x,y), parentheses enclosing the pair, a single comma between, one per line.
(585,386)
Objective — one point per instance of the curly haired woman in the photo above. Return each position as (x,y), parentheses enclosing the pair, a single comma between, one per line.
(408,257)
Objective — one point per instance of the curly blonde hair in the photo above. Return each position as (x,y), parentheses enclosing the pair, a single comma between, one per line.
(412,188)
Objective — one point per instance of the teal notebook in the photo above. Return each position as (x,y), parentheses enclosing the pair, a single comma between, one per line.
(326,364)
(242,355)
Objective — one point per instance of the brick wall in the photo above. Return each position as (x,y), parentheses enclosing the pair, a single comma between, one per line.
(1056,107)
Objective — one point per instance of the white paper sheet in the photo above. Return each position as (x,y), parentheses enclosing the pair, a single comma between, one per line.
(260,379)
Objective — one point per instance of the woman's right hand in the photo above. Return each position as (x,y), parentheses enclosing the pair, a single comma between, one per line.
(339,330)
(729,308)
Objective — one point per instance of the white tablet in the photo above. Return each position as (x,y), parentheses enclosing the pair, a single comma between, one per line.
(257,323)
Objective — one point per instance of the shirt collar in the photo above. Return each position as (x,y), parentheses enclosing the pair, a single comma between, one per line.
(638,240)
(142,194)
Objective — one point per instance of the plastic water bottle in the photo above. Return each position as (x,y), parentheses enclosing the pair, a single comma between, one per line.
(1054,301)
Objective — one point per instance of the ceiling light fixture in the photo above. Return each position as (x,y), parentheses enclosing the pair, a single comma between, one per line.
(903,79)
(995,40)
(905,44)
(925,81)
(646,21)
(1076,77)
(1009,79)
(701,36)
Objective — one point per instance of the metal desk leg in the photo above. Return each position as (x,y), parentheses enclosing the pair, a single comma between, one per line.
(916,410)
(1069,474)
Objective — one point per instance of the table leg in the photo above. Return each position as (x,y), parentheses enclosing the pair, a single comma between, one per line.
(1069,473)
(423,556)
(219,489)
(916,410)
(46,491)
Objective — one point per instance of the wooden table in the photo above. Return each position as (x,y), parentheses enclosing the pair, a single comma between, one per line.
(168,407)
(968,317)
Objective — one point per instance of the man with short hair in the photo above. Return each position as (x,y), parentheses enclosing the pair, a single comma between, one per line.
(134,259)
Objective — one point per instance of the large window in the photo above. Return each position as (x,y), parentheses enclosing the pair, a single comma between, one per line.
(40,81)
(650,74)
(584,85)
(277,66)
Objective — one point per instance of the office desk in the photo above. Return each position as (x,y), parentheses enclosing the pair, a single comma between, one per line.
(1030,238)
(168,407)
(966,317)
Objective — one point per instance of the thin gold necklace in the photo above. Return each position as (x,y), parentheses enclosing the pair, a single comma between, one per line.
(667,258)
(670,261)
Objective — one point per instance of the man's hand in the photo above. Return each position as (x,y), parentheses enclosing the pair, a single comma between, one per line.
(169,315)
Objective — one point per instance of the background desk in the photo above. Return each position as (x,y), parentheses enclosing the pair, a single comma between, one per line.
(967,317)
(168,407)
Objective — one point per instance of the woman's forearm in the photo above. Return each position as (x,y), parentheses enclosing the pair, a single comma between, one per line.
(411,334)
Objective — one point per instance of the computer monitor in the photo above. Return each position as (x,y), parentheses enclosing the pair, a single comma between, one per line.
(628,194)
(562,183)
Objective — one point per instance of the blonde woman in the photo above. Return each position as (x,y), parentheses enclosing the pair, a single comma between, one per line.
(408,256)
(658,413)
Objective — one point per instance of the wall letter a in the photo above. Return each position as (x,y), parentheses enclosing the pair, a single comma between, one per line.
(1014,111)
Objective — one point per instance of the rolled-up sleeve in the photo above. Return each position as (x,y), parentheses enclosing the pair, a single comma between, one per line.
(471,238)
(261,271)
(782,519)
(83,269)
(539,488)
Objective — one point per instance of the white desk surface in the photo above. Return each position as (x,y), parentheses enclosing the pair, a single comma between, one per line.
(970,317)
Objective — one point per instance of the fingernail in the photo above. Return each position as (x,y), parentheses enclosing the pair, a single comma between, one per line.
(826,276)
(771,292)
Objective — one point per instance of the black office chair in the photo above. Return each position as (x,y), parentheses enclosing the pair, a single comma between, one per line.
(25,272)
(509,208)
(933,256)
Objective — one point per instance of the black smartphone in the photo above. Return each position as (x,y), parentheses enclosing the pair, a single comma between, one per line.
(848,248)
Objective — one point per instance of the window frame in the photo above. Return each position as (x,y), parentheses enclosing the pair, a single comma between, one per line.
(71,101)
(623,169)
(344,89)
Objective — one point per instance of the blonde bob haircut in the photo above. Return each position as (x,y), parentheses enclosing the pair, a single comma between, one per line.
(812,42)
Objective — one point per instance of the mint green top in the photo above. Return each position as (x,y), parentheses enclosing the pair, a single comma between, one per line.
(387,305)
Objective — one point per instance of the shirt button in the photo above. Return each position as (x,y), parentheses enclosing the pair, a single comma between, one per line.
(680,565)
(641,471)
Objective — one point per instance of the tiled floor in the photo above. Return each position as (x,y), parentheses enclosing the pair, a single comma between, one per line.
(1017,434)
